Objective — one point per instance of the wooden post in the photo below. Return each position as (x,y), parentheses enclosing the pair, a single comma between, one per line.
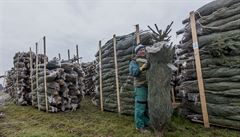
(116,73)
(59,59)
(5,79)
(173,96)
(68,54)
(31,72)
(100,76)
(59,56)
(199,70)
(38,100)
(45,72)
(17,71)
(77,54)
(137,34)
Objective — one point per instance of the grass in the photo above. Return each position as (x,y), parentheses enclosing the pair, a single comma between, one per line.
(88,121)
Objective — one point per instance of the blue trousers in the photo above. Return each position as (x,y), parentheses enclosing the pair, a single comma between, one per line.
(141,115)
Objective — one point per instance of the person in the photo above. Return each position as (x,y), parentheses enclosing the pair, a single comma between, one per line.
(141,115)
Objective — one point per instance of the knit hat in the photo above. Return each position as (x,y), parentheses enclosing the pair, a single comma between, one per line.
(140,46)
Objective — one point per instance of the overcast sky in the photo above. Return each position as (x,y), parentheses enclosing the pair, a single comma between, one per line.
(66,23)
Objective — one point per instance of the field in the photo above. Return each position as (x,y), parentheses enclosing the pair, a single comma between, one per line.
(88,121)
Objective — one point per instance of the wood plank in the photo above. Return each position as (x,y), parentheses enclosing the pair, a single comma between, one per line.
(199,70)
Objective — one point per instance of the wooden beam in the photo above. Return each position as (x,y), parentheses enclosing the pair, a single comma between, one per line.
(116,73)
(38,99)
(31,72)
(137,34)
(77,54)
(45,72)
(100,76)
(199,70)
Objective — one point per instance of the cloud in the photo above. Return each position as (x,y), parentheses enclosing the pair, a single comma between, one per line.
(66,23)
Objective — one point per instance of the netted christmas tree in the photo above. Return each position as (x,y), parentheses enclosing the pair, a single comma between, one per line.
(160,56)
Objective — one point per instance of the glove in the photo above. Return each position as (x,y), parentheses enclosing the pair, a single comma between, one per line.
(143,67)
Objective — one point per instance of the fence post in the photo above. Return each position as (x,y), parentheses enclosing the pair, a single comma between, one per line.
(45,72)
(38,100)
(199,70)
(100,76)
(116,73)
